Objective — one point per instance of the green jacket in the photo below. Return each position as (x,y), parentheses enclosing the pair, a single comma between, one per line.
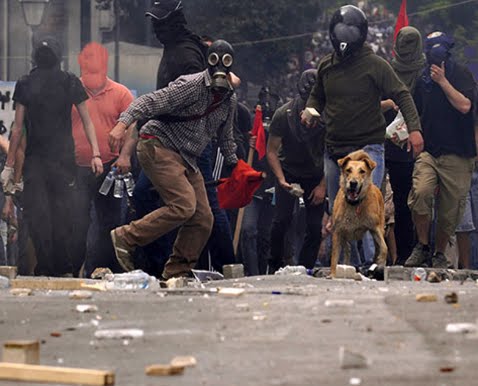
(348,94)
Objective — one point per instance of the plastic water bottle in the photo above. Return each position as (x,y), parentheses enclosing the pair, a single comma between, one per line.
(295,270)
(130,281)
(4,282)
(419,274)
(129,183)
(118,191)
(108,182)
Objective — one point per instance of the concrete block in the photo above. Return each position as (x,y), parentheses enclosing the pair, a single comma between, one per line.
(22,351)
(233,271)
(345,272)
(8,271)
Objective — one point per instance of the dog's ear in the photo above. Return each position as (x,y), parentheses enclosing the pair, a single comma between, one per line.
(343,162)
(371,164)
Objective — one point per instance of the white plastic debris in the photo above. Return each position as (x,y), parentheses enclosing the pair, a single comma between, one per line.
(461,328)
(86,308)
(259,317)
(119,334)
(339,303)
(355,381)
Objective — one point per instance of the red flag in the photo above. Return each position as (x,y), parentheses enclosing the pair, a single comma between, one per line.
(237,191)
(258,131)
(402,19)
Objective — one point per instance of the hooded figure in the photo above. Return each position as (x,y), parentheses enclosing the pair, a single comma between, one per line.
(47,53)
(93,61)
(184,52)
(304,86)
(437,51)
(409,59)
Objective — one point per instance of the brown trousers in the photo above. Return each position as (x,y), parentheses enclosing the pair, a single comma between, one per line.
(186,206)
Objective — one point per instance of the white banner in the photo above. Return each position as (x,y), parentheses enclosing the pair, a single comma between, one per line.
(7,112)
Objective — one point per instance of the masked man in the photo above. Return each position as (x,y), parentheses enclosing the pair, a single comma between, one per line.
(295,155)
(44,100)
(107,100)
(184,53)
(350,85)
(183,119)
(444,95)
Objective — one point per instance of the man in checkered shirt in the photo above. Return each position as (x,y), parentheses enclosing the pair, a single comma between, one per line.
(184,117)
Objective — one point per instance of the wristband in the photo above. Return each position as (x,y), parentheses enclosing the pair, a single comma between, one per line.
(97,156)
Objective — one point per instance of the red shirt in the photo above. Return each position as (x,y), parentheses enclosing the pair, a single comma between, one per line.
(104,109)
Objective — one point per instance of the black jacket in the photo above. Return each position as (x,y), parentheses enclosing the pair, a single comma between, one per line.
(186,55)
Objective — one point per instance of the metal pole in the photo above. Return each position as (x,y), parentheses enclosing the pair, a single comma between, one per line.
(4,75)
(117,38)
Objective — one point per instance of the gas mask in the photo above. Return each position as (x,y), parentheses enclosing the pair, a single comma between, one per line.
(437,48)
(220,57)
(93,61)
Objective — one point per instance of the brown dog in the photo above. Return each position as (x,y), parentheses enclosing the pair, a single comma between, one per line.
(358,208)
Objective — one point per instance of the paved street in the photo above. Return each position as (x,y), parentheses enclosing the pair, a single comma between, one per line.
(260,338)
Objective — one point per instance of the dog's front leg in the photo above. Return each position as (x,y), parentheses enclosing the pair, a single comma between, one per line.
(336,250)
(381,249)
(347,249)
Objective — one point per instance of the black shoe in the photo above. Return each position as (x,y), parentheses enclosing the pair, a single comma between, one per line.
(439,260)
(419,257)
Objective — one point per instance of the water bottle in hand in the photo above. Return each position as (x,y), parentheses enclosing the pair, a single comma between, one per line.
(118,191)
(108,182)
(129,183)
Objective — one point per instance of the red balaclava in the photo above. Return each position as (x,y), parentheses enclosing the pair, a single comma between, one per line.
(93,60)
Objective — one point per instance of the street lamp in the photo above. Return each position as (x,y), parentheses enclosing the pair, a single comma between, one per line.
(33,11)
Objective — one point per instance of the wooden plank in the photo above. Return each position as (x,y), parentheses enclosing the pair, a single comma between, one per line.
(22,351)
(55,284)
(50,374)
(8,271)
(164,370)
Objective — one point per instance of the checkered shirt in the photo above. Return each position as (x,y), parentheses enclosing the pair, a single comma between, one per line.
(187,96)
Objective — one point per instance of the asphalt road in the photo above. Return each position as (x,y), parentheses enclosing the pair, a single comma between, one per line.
(260,338)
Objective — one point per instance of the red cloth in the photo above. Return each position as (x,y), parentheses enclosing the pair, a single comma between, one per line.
(258,131)
(402,19)
(237,190)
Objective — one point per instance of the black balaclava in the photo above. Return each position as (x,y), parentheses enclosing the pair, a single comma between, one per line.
(168,20)
(301,133)
(306,82)
(47,53)
(220,58)
(437,51)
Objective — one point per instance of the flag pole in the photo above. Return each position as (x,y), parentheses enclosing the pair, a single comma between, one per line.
(240,213)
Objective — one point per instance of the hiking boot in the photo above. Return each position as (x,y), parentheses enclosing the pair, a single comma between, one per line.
(419,257)
(439,260)
(124,254)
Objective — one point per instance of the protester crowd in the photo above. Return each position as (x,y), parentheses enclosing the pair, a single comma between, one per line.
(79,144)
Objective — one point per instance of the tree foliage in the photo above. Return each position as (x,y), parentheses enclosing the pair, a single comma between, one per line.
(250,21)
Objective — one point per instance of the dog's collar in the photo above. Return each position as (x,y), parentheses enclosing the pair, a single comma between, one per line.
(353,203)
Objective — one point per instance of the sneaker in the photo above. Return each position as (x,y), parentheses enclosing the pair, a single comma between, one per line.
(439,260)
(419,257)
(122,252)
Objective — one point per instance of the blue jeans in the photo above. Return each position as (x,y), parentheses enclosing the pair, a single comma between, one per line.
(219,245)
(332,175)
(474,211)
(254,243)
